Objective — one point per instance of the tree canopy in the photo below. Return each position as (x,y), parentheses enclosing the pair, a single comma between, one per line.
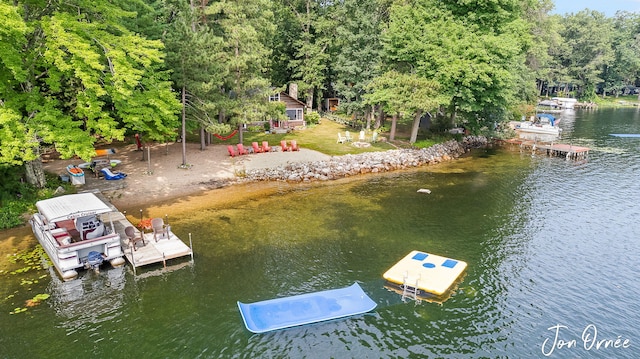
(74,75)
(75,72)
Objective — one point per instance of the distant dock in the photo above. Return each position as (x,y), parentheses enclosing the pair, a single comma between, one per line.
(551,149)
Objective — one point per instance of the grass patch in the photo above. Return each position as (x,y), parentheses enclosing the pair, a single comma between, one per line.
(321,137)
(620,101)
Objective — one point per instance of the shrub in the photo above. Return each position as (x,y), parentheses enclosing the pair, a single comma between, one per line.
(18,197)
(312,118)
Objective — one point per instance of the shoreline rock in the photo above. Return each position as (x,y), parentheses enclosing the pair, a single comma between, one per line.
(371,162)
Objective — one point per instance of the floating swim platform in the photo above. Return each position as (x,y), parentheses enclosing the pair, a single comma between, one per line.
(625,134)
(428,272)
(280,313)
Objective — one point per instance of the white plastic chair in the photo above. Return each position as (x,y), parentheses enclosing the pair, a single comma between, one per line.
(159,229)
(348,136)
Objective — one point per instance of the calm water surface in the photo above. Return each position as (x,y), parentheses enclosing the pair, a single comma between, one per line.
(550,244)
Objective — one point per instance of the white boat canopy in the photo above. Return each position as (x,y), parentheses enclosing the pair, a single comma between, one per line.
(71,206)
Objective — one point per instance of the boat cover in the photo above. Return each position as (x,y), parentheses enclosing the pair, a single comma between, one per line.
(428,272)
(551,118)
(625,134)
(303,309)
(71,206)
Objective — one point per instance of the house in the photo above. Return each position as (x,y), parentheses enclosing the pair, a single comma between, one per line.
(294,108)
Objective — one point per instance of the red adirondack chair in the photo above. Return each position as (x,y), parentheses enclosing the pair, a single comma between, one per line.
(256,147)
(294,145)
(232,152)
(283,145)
(266,147)
(242,150)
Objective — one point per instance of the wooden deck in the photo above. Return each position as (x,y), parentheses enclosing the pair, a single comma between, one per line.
(156,251)
(552,149)
(152,252)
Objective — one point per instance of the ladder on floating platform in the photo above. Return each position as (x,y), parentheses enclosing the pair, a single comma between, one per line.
(409,291)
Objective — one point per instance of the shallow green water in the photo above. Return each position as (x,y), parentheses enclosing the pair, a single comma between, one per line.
(548,242)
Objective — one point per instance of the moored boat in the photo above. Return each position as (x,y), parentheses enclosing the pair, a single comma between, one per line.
(543,124)
(76,232)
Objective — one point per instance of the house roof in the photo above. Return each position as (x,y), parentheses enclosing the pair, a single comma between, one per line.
(291,99)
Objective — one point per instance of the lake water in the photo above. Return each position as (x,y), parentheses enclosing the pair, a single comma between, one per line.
(552,249)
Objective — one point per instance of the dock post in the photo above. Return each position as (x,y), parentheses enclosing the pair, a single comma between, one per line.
(191,246)
(133,260)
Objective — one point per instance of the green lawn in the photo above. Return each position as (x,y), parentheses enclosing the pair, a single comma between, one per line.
(322,137)
(620,101)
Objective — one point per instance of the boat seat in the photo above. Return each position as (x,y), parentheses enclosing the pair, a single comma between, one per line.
(64,240)
(66,224)
(57,232)
(98,231)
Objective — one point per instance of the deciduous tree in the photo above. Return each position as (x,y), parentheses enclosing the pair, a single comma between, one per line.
(81,76)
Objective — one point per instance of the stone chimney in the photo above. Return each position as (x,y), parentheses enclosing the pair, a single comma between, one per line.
(293,91)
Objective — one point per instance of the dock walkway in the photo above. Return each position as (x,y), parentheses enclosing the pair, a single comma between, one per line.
(552,149)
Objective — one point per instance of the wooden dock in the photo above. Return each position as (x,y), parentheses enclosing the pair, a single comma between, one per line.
(551,149)
(152,251)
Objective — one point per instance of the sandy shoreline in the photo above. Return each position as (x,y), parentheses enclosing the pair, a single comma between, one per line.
(161,178)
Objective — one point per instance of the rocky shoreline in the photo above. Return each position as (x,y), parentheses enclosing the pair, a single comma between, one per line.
(371,162)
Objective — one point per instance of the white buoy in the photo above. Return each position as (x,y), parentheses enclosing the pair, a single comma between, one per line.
(424,190)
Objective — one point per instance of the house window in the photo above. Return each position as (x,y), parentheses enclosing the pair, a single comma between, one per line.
(274,97)
(291,113)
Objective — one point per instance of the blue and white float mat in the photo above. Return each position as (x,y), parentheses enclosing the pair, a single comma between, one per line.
(280,313)
(634,135)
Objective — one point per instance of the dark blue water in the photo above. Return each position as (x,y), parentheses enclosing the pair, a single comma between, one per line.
(551,246)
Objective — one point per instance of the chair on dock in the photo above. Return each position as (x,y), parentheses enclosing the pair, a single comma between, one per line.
(134,236)
(159,228)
